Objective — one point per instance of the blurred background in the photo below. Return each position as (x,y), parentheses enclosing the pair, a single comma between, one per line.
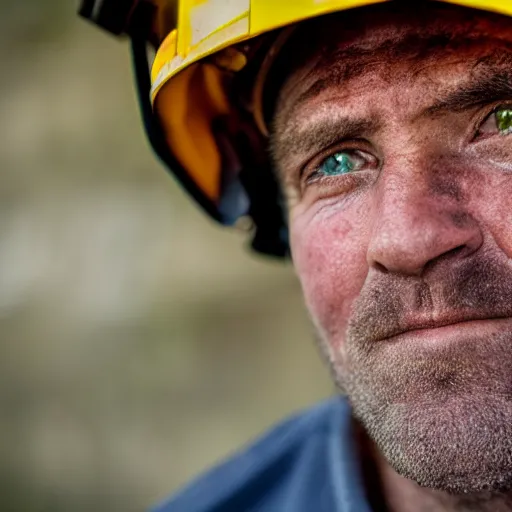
(140,343)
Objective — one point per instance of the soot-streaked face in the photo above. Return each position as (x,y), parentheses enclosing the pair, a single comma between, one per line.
(393,139)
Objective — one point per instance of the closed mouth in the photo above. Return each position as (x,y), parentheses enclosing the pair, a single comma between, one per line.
(416,327)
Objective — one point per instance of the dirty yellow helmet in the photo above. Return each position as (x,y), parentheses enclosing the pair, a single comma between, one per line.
(204,49)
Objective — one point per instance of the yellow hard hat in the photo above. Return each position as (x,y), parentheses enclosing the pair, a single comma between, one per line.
(201,46)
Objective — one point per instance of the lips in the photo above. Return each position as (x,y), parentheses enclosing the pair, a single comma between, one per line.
(446,320)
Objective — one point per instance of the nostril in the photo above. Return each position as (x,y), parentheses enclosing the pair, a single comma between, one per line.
(456,251)
(380,267)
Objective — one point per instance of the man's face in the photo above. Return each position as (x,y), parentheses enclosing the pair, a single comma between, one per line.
(392,140)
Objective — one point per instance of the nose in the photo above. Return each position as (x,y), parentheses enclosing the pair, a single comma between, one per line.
(415,227)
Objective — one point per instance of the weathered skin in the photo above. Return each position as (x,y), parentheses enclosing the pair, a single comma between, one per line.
(405,262)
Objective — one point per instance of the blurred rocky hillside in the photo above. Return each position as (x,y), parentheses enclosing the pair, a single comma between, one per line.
(139,342)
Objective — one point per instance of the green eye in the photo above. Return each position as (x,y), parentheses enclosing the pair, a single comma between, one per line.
(349,161)
(336,164)
(504,120)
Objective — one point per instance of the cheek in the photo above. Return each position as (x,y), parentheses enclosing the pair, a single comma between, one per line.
(489,186)
(329,254)
(500,222)
(493,199)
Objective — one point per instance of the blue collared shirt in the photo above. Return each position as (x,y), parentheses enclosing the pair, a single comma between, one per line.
(306,464)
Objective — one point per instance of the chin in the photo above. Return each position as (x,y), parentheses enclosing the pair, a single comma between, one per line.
(462,445)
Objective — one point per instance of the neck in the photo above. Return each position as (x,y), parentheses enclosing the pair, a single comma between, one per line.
(389,492)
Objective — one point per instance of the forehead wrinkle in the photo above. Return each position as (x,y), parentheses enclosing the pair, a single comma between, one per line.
(337,67)
(347,42)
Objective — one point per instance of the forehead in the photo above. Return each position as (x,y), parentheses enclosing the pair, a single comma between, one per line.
(431,45)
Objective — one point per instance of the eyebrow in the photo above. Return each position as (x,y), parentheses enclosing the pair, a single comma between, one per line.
(489,87)
(324,132)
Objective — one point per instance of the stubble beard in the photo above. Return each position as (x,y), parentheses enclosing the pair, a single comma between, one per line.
(441,417)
